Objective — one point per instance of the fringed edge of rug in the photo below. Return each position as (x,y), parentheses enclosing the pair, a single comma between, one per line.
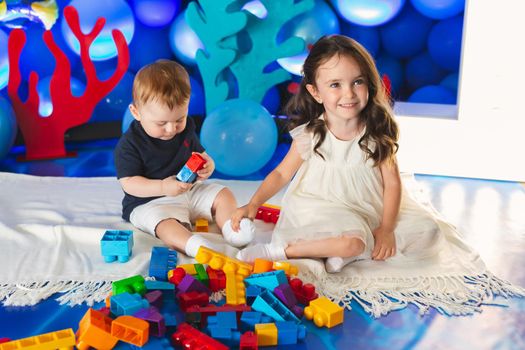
(449,295)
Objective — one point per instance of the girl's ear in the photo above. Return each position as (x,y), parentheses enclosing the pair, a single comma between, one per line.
(134,111)
(313,91)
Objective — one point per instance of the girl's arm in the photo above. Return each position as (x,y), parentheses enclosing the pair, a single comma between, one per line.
(140,186)
(385,244)
(272,184)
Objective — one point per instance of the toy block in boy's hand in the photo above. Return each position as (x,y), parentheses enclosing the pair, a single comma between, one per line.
(268,213)
(188,173)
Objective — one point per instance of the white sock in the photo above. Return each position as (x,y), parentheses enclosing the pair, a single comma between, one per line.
(336,264)
(263,251)
(244,236)
(195,242)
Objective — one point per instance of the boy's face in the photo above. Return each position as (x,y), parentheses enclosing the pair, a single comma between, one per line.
(160,122)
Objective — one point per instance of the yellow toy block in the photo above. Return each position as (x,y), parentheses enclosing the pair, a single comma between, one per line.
(267,205)
(201,225)
(218,261)
(189,268)
(324,312)
(235,289)
(266,334)
(289,269)
(63,339)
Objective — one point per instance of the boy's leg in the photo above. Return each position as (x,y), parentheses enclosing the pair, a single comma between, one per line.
(178,237)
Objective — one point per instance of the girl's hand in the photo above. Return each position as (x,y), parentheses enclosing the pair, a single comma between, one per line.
(172,187)
(247,211)
(208,168)
(385,244)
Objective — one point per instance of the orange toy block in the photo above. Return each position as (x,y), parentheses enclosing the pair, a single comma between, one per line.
(289,269)
(201,225)
(130,330)
(63,339)
(222,262)
(324,312)
(266,334)
(94,330)
(235,289)
(261,265)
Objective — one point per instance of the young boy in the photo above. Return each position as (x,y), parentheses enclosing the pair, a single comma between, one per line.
(153,150)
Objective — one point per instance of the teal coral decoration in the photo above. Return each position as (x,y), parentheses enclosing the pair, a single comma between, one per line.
(214,22)
(249,67)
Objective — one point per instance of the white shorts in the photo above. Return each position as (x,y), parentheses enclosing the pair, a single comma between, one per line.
(185,208)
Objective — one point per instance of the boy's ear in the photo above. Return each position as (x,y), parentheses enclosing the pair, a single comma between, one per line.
(134,111)
(313,91)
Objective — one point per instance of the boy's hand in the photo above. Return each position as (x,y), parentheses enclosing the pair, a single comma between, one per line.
(385,244)
(172,187)
(208,168)
(246,211)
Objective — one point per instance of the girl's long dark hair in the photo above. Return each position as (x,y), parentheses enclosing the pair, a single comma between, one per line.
(381,128)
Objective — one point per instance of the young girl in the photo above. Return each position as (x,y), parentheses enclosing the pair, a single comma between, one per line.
(344,199)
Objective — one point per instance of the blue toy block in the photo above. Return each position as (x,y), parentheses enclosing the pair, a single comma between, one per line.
(269,280)
(127,304)
(186,175)
(251,293)
(268,304)
(289,332)
(116,245)
(162,260)
(250,318)
(226,336)
(223,319)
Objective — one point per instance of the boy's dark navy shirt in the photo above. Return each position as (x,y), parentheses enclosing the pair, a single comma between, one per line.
(138,154)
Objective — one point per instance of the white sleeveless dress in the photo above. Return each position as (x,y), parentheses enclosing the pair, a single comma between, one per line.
(343,194)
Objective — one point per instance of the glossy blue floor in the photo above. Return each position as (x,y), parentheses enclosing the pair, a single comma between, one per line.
(488,213)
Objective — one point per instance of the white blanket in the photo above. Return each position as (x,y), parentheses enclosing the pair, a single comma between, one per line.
(50,231)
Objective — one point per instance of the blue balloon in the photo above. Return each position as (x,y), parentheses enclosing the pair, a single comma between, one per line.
(8,127)
(444,43)
(197,101)
(184,42)
(155,13)
(439,9)
(366,36)
(45,108)
(111,107)
(4,60)
(433,94)
(240,135)
(368,12)
(394,69)
(406,35)
(451,82)
(139,55)
(421,70)
(118,15)
(127,119)
(310,26)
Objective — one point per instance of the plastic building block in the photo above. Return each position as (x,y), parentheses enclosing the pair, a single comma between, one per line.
(201,275)
(159,285)
(127,304)
(235,290)
(201,225)
(4,340)
(190,284)
(269,280)
(268,304)
(188,268)
(162,260)
(248,341)
(190,338)
(210,310)
(217,279)
(134,284)
(303,293)
(227,336)
(94,330)
(222,262)
(324,312)
(130,330)
(268,213)
(154,298)
(250,318)
(193,298)
(261,265)
(289,269)
(285,294)
(105,310)
(251,293)
(116,245)
(176,275)
(266,334)
(63,339)
(289,332)
(157,325)
(188,173)
(223,319)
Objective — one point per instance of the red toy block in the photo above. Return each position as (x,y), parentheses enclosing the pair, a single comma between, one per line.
(248,341)
(193,298)
(268,213)
(217,279)
(192,339)
(4,340)
(176,275)
(196,162)
(303,293)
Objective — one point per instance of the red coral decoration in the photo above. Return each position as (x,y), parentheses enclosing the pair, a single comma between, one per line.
(44,137)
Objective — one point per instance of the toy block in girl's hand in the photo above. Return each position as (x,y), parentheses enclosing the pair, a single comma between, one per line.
(188,173)
(268,213)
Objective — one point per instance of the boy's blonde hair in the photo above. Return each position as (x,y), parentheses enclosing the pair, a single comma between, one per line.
(163,81)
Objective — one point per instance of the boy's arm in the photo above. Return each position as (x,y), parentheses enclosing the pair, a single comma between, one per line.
(139,186)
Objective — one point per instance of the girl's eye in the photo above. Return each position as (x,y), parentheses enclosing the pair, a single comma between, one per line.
(359,82)
(334,85)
